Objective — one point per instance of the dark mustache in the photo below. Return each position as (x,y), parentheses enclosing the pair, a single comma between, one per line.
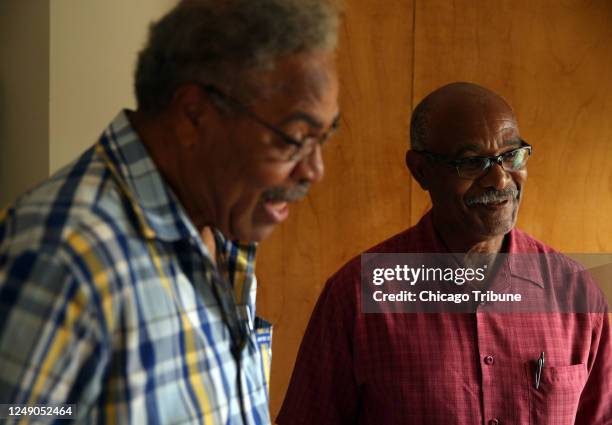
(295,193)
(494,196)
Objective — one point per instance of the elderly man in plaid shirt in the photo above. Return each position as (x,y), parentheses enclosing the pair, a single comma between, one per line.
(484,366)
(127,285)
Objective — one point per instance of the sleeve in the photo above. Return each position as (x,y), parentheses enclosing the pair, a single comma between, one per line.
(595,406)
(323,388)
(50,336)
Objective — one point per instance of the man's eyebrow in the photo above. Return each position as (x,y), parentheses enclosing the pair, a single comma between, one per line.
(302,116)
(466,148)
(513,141)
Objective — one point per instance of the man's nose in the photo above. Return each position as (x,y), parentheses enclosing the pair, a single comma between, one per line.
(496,178)
(310,169)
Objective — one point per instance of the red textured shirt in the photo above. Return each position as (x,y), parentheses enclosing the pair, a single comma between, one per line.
(355,368)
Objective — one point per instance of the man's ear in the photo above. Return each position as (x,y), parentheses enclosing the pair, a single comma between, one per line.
(416,164)
(189,109)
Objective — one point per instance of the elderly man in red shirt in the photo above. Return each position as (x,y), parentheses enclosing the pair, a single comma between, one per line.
(456,368)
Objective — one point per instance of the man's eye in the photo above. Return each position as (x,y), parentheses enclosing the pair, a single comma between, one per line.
(289,138)
(304,139)
(310,140)
(472,163)
(516,158)
(298,136)
(296,132)
(511,155)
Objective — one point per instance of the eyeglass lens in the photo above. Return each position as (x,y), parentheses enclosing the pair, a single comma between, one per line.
(308,144)
(510,161)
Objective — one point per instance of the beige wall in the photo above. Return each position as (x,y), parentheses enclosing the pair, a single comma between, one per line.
(65,70)
(93,45)
(24,88)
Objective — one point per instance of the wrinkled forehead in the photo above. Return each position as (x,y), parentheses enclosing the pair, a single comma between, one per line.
(307,76)
(459,121)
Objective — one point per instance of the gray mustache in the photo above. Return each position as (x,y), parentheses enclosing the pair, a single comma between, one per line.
(296,193)
(494,196)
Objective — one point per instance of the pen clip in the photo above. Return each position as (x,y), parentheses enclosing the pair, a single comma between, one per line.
(538,373)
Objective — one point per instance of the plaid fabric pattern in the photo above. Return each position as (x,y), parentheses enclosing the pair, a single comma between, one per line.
(109,299)
(445,368)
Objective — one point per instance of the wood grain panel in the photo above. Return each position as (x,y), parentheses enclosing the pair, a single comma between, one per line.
(552,60)
(365,194)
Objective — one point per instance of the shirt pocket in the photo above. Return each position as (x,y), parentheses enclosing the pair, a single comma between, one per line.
(556,400)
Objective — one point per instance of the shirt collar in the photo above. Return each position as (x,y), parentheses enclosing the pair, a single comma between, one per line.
(524,260)
(160,213)
(158,210)
(429,240)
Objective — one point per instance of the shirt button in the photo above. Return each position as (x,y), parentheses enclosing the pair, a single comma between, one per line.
(493,422)
(490,360)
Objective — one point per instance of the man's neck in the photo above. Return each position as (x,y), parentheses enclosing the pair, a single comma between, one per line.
(455,242)
(152,132)
(474,253)
(209,240)
(489,246)
(159,140)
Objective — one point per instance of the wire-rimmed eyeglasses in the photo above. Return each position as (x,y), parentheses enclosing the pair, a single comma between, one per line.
(296,150)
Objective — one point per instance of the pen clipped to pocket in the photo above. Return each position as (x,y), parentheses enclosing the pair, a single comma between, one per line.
(538,371)
(554,389)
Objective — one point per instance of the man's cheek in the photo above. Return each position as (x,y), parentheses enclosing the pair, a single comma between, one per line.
(273,175)
(519,178)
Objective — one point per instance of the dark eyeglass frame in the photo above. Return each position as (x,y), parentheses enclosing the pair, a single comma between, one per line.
(298,144)
(490,160)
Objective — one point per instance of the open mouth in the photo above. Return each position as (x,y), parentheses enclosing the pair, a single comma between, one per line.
(277,211)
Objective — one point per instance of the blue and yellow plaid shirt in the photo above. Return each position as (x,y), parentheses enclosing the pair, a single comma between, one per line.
(109,300)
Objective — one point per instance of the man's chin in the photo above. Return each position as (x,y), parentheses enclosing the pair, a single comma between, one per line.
(262,232)
(256,233)
(498,229)
(267,216)
(497,221)
(497,226)
(493,226)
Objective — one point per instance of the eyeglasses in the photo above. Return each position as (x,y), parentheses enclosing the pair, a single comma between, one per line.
(477,166)
(293,150)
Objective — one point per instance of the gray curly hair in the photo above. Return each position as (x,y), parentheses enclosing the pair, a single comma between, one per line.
(217,42)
